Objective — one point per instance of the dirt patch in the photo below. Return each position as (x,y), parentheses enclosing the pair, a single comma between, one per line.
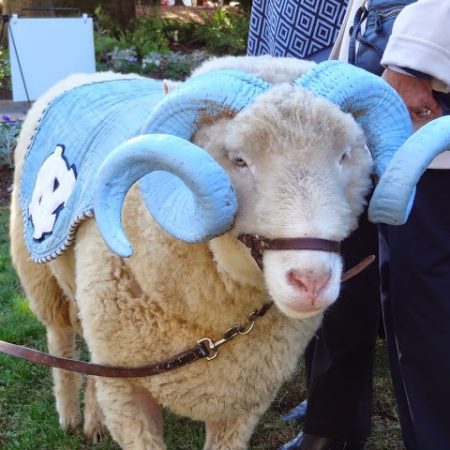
(196,14)
(6,180)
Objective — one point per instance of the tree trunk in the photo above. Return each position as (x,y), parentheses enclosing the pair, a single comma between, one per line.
(40,7)
(122,11)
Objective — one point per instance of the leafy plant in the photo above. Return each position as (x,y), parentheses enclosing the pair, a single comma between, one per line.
(148,35)
(180,31)
(108,38)
(105,23)
(225,32)
(9,131)
(172,65)
(123,60)
(146,46)
(5,69)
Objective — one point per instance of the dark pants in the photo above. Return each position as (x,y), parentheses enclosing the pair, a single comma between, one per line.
(339,360)
(415,273)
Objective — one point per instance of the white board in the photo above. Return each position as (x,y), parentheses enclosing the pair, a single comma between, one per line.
(43,51)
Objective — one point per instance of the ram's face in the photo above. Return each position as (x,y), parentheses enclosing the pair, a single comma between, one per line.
(300,168)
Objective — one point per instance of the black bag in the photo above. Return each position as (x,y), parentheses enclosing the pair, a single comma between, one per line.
(379,17)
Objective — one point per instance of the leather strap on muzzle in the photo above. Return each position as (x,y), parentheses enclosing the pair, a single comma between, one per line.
(258,244)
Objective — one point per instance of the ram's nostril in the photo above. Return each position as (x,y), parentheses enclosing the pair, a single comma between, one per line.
(310,283)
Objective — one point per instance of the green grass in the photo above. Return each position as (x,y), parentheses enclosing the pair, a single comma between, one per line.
(28,419)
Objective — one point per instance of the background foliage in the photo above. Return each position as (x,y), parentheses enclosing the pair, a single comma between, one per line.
(220,32)
(152,46)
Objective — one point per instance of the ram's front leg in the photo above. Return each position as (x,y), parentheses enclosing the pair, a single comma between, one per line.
(61,342)
(132,415)
(231,434)
(94,428)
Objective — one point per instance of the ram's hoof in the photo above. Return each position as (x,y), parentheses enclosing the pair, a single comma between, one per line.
(95,432)
(70,422)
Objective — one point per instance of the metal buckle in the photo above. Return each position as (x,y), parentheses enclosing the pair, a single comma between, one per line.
(232,332)
(229,334)
(209,346)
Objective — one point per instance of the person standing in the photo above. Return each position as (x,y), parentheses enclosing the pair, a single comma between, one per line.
(416,256)
(339,360)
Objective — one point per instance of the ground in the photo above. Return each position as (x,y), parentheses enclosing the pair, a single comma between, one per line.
(193,14)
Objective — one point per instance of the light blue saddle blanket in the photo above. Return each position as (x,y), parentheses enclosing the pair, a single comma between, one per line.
(78,129)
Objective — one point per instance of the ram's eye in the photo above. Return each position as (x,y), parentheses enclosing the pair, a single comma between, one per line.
(239,162)
(343,158)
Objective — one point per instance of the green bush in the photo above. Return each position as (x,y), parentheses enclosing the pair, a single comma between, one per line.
(107,38)
(173,65)
(225,32)
(180,31)
(151,38)
(5,69)
(9,132)
(148,34)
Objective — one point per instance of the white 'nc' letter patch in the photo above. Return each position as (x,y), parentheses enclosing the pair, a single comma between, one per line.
(54,184)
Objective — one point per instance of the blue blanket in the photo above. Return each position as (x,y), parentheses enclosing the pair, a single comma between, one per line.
(78,130)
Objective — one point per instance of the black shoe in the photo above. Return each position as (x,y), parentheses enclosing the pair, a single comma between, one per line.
(305,441)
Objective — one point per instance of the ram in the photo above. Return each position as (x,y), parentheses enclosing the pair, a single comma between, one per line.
(250,175)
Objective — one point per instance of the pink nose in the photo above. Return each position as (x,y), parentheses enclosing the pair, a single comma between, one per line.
(309,283)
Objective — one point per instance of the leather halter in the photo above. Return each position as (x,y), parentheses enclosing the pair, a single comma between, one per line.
(258,244)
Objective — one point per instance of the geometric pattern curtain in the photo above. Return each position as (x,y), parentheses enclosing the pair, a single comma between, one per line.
(297,28)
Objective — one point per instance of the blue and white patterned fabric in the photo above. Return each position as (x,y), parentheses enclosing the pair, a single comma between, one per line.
(77,131)
(297,28)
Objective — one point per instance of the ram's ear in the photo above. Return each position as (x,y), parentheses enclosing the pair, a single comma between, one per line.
(170,85)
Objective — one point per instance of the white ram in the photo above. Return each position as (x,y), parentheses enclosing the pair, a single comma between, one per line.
(299,167)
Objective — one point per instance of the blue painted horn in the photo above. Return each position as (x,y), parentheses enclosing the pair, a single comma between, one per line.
(373,103)
(204,199)
(394,192)
(187,192)
(381,113)
(399,158)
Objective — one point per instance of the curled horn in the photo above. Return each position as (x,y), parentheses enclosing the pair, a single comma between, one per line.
(188,193)
(202,204)
(381,113)
(394,193)
(374,104)
(202,97)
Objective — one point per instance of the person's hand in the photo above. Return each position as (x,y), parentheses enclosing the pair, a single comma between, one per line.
(417,95)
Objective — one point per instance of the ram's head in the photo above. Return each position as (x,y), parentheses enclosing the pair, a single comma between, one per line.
(282,162)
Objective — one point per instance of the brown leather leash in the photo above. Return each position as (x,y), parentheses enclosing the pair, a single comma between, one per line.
(205,347)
